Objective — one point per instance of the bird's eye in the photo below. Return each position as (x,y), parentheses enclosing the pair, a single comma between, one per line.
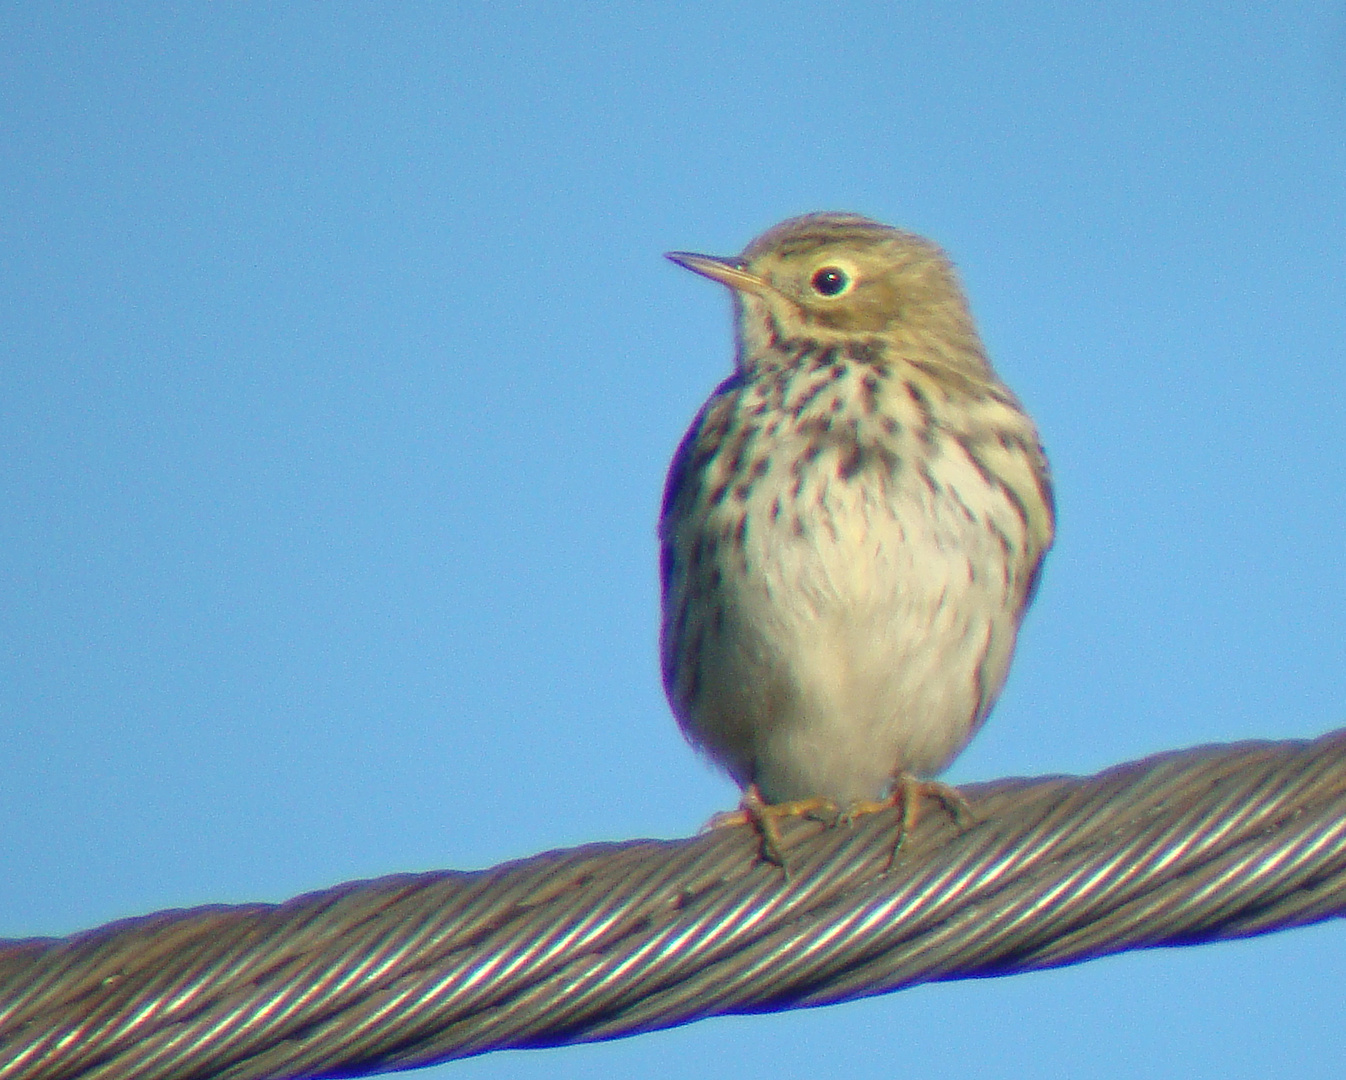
(830,281)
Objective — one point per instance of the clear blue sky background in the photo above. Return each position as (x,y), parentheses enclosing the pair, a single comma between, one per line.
(341,369)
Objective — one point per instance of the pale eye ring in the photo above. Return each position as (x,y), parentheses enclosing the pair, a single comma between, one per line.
(830,281)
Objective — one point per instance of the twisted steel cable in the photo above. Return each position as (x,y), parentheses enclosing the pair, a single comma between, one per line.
(612,939)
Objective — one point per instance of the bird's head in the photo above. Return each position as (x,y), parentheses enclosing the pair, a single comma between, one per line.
(832,277)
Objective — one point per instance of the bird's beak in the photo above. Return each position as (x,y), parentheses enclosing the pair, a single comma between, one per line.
(726,271)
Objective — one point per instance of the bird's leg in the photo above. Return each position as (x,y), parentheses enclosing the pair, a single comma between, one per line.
(905,797)
(763,816)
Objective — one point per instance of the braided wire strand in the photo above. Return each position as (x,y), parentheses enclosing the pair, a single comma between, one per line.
(608,940)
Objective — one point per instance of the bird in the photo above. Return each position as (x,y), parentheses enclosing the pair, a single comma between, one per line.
(851,531)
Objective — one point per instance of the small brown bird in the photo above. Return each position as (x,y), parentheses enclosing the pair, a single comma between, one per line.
(852,527)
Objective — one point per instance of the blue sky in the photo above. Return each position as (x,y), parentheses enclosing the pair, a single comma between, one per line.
(339,370)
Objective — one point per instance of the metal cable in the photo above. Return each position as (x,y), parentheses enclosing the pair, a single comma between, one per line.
(612,939)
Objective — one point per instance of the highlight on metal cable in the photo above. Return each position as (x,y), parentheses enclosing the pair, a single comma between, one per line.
(609,940)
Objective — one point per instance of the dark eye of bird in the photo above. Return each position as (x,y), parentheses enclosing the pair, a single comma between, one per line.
(830,281)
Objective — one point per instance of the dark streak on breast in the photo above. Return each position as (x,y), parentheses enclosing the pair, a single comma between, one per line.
(922,403)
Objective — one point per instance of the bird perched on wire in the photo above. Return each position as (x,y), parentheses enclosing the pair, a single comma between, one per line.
(851,530)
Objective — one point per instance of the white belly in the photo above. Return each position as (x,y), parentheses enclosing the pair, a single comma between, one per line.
(870,646)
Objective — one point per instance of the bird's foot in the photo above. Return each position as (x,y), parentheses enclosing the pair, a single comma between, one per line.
(764,816)
(906,796)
